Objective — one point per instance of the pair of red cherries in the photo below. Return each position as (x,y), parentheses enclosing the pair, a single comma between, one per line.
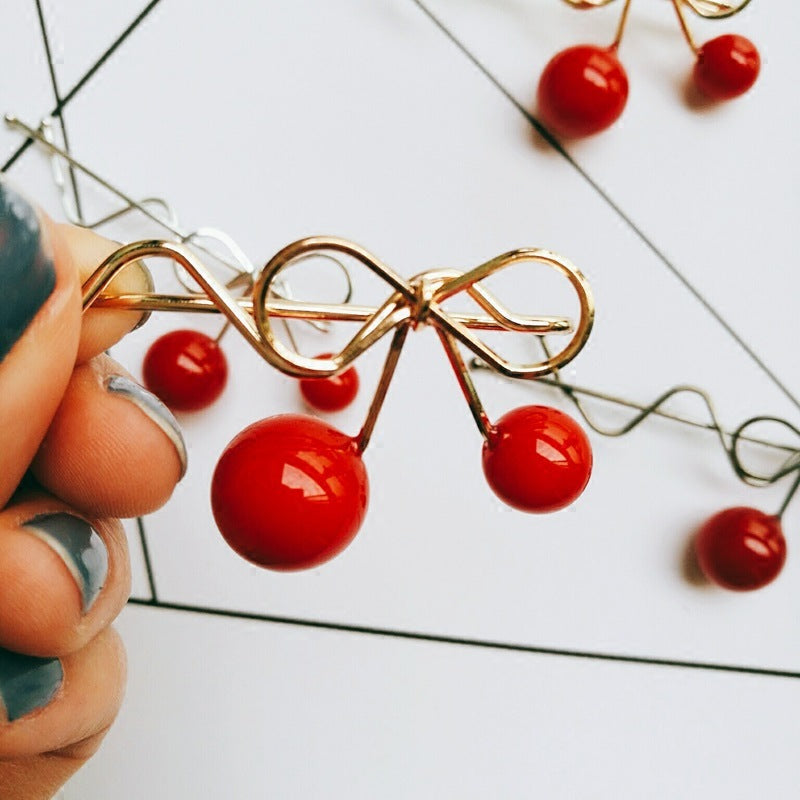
(291,491)
(584,89)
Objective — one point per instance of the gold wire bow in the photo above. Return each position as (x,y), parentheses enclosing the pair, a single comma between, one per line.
(412,303)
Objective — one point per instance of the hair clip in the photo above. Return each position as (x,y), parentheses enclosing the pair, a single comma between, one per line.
(289,492)
(185,368)
(740,548)
(584,89)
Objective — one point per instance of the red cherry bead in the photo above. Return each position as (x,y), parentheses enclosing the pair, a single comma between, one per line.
(537,459)
(186,369)
(741,548)
(330,394)
(290,492)
(726,67)
(582,91)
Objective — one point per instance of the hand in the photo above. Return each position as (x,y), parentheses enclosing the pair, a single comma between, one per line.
(80,445)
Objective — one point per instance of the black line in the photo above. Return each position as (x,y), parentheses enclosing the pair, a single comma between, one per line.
(457,640)
(57,96)
(151,581)
(86,78)
(660,255)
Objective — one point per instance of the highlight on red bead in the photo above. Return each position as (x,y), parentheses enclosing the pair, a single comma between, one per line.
(333,393)
(726,67)
(290,492)
(186,369)
(537,459)
(741,548)
(582,91)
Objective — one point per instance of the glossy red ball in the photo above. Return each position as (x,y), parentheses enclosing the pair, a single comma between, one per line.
(537,459)
(582,91)
(330,394)
(289,492)
(741,548)
(186,369)
(726,67)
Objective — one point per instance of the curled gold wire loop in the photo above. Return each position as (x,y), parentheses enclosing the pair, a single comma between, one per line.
(418,301)
(411,303)
(712,9)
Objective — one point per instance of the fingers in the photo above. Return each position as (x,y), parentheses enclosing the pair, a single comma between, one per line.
(41,265)
(39,327)
(63,577)
(102,328)
(53,706)
(113,449)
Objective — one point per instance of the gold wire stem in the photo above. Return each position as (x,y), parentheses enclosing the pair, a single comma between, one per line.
(389,367)
(331,312)
(623,20)
(687,34)
(466,384)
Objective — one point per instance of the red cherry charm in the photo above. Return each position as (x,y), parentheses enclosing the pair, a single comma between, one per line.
(537,459)
(726,67)
(741,548)
(289,492)
(582,91)
(186,369)
(330,394)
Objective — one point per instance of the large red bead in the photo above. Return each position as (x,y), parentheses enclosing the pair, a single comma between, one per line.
(330,394)
(289,492)
(582,91)
(537,459)
(741,548)
(726,67)
(186,369)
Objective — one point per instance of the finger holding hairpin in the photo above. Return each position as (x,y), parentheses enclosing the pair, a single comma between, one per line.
(102,328)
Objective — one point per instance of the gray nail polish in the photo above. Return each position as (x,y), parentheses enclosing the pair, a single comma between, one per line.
(154,408)
(27,683)
(79,547)
(27,275)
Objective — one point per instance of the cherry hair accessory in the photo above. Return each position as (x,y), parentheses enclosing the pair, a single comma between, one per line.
(583,89)
(290,492)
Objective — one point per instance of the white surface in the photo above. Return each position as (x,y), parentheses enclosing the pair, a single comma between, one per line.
(360,119)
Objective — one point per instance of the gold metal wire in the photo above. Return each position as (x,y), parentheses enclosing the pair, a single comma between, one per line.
(412,303)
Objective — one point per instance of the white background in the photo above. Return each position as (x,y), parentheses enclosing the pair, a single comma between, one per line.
(360,118)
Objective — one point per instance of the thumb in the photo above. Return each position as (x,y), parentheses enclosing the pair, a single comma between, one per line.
(40,317)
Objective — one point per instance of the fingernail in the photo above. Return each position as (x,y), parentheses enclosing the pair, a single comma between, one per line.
(27,683)
(150,288)
(27,275)
(154,408)
(79,547)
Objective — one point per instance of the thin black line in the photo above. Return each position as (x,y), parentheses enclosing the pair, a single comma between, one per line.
(556,145)
(57,96)
(457,640)
(86,78)
(151,581)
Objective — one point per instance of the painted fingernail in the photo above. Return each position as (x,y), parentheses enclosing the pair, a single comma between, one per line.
(27,683)
(154,408)
(80,548)
(27,275)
